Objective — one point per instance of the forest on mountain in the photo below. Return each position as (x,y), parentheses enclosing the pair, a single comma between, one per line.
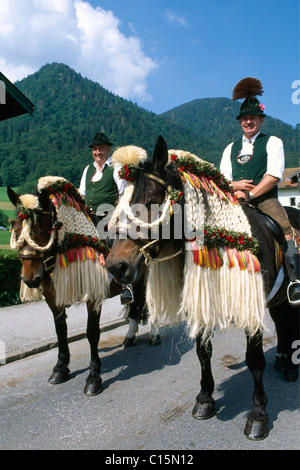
(70,110)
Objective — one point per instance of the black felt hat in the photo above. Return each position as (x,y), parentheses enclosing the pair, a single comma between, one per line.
(100,139)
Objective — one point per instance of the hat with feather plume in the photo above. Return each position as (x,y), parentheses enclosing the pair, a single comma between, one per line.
(249,88)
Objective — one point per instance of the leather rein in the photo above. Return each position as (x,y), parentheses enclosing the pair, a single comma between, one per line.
(29,252)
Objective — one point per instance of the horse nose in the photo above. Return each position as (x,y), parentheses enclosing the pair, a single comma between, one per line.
(120,270)
(32,283)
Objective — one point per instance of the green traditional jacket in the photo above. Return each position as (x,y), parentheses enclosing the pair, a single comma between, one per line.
(104,191)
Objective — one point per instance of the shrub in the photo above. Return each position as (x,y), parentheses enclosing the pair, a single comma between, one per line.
(10,268)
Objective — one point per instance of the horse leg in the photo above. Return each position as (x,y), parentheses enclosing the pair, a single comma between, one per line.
(93,382)
(205,404)
(136,312)
(61,370)
(257,424)
(130,338)
(286,319)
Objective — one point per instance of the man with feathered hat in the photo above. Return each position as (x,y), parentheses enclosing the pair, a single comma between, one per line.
(255,165)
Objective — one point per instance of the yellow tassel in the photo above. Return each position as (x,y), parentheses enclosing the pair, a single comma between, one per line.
(63,260)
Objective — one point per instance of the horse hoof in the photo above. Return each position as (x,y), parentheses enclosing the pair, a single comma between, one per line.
(93,386)
(128,342)
(59,377)
(155,341)
(204,410)
(256,430)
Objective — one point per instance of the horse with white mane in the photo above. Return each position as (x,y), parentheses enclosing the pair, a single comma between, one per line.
(220,280)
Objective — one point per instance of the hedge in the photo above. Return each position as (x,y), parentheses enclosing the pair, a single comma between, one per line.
(10,269)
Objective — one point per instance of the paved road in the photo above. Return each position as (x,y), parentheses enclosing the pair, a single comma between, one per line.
(147,399)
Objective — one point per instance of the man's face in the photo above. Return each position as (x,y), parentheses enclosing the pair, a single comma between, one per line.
(101,154)
(251,125)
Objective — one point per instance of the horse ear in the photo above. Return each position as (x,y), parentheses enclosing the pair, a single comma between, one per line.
(13,197)
(44,200)
(160,155)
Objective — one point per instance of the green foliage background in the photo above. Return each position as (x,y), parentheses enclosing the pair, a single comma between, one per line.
(10,268)
(71,109)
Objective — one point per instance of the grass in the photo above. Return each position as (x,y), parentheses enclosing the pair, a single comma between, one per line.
(3,194)
(4,237)
(7,207)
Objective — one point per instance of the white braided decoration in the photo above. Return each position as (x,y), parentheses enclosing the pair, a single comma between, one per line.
(194,209)
(29,202)
(124,208)
(25,236)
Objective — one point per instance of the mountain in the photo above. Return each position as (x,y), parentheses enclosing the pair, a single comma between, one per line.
(71,109)
(215,118)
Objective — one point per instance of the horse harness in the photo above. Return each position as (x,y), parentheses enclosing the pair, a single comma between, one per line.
(29,252)
(150,250)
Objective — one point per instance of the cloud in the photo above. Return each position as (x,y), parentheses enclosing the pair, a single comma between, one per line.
(35,32)
(173,18)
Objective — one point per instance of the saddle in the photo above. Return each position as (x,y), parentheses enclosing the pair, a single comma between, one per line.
(278,291)
(274,226)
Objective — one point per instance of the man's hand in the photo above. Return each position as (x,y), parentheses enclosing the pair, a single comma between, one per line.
(267,183)
(240,195)
(244,185)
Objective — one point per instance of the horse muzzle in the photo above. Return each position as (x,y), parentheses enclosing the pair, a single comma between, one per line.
(121,270)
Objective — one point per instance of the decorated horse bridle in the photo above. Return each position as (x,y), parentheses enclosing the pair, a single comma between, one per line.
(151,250)
(32,250)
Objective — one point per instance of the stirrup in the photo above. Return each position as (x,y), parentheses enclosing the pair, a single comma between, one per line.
(293,303)
(126,295)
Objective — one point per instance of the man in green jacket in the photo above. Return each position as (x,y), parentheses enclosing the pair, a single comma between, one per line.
(255,165)
(101,187)
(100,184)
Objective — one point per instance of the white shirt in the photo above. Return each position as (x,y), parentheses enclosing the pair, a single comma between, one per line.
(275,156)
(97,176)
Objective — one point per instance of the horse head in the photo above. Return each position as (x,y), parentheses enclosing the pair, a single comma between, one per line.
(143,226)
(33,235)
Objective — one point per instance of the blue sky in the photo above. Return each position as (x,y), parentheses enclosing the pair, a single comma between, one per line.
(161,54)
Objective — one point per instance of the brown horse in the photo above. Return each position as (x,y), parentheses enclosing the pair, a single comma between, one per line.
(160,182)
(63,259)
